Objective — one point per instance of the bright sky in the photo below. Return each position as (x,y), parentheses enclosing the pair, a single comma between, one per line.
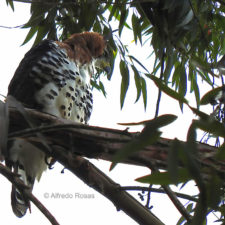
(106,113)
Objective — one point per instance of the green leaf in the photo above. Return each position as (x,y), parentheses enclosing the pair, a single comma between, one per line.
(135,25)
(34,20)
(122,20)
(159,83)
(137,61)
(99,86)
(210,96)
(164,178)
(145,138)
(102,88)
(210,125)
(148,136)
(195,87)
(158,122)
(183,81)
(200,63)
(199,113)
(30,34)
(169,64)
(42,32)
(10,2)
(112,10)
(214,190)
(137,79)
(124,83)
(176,76)
(144,91)
(191,152)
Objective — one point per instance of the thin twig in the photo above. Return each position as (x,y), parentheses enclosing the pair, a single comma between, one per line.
(41,207)
(167,189)
(156,115)
(57,127)
(18,183)
(158,190)
(6,27)
(149,196)
(160,92)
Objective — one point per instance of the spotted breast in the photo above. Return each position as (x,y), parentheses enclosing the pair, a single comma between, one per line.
(56,84)
(53,77)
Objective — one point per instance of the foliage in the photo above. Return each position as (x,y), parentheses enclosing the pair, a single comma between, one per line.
(188,41)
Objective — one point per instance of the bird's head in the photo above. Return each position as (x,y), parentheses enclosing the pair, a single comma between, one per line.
(89,48)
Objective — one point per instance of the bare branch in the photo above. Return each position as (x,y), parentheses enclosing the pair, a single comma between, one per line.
(6,27)
(177,203)
(18,183)
(158,190)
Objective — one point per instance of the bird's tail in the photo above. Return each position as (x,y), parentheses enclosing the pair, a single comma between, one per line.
(19,203)
(29,162)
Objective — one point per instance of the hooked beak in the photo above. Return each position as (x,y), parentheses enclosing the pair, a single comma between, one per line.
(103,65)
(107,69)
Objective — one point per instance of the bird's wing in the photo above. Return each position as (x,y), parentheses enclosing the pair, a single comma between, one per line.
(22,85)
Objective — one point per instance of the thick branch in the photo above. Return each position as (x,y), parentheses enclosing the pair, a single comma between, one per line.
(96,179)
(103,143)
(81,167)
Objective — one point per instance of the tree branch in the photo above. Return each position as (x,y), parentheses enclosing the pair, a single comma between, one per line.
(6,27)
(177,203)
(18,183)
(158,190)
(97,180)
(101,143)
(79,166)
(104,142)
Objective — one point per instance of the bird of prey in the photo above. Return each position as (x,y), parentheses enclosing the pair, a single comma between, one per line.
(53,77)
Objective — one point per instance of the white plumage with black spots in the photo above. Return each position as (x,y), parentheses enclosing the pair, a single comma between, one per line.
(54,77)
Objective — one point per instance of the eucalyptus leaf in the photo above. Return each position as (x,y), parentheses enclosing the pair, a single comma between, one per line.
(211,96)
(144,91)
(149,135)
(124,83)
(163,87)
(138,83)
(163,178)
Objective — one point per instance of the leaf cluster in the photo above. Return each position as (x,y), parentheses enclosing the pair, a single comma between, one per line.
(187,37)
